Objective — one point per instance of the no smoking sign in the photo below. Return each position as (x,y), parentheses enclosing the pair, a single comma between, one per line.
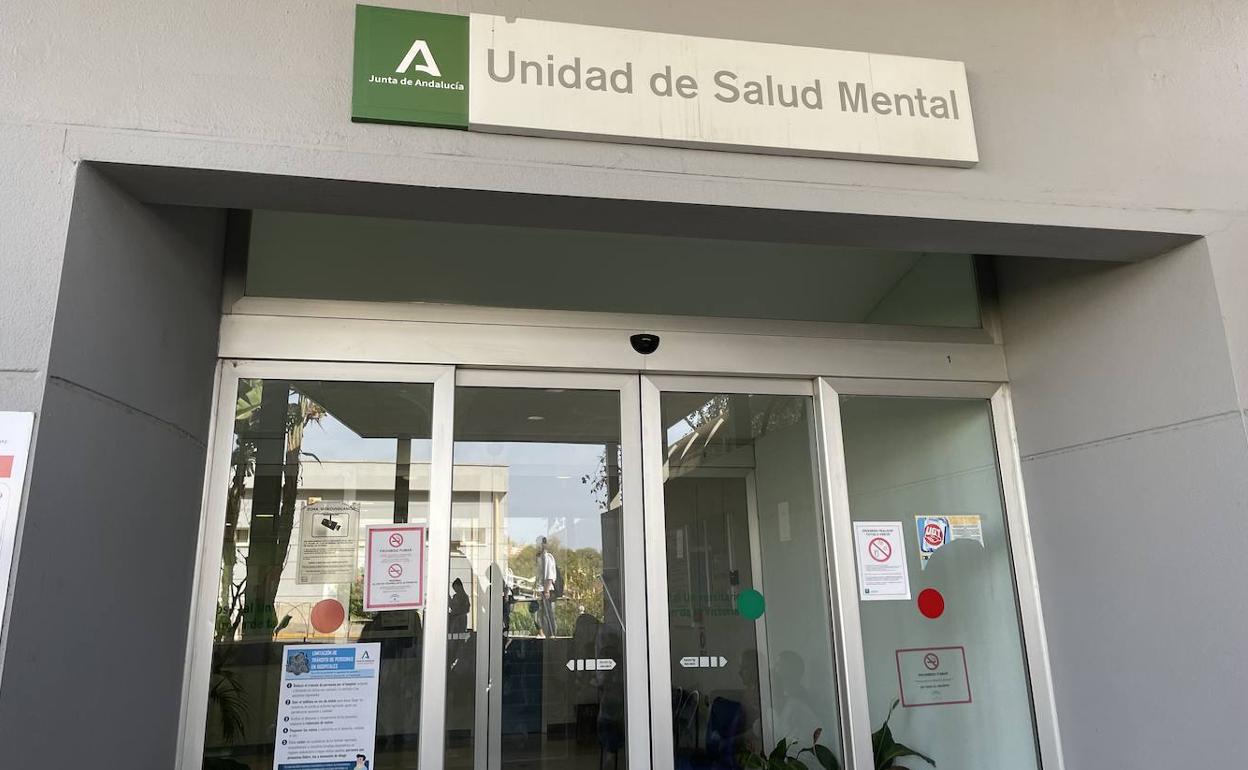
(394,567)
(880,550)
(933,676)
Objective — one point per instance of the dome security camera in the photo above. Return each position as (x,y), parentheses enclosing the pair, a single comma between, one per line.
(644,344)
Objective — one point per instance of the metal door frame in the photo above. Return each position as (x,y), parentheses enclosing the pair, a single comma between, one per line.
(549,343)
(652,388)
(201,627)
(635,632)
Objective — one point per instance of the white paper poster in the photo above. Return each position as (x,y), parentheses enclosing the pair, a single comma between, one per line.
(933,676)
(937,531)
(328,532)
(15,430)
(327,706)
(786,529)
(882,571)
(394,567)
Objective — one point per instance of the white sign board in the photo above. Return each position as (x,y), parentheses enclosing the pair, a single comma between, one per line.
(933,676)
(15,432)
(548,78)
(328,532)
(882,570)
(394,567)
(327,706)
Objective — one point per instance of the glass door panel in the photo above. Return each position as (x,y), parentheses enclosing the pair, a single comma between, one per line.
(312,465)
(947,661)
(546,605)
(749,621)
(536,662)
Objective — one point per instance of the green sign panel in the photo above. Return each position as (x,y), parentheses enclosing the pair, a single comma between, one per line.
(410,67)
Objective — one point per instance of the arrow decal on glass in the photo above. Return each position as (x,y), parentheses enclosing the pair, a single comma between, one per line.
(704,661)
(591,664)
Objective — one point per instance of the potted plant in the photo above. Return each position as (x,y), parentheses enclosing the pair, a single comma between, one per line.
(782,757)
(887,751)
(788,756)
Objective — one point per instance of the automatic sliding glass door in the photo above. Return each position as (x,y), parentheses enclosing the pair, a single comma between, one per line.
(575,571)
(446,571)
(742,638)
(546,641)
(305,646)
(558,592)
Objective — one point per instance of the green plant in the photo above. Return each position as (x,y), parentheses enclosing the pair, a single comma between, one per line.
(227,697)
(283,412)
(783,758)
(582,574)
(356,599)
(887,751)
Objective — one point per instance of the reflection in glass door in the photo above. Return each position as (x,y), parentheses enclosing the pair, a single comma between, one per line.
(748,632)
(313,465)
(551,588)
(542,521)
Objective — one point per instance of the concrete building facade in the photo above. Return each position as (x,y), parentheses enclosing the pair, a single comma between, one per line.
(1109,205)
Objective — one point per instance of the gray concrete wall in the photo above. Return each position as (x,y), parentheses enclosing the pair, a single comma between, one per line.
(1109,115)
(1134,461)
(97,628)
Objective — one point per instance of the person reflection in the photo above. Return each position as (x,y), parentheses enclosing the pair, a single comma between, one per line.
(460,606)
(610,646)
(546,574)
(398,689)
(457,623)
(509,601)
(584,634)
(751,700)
(794,714)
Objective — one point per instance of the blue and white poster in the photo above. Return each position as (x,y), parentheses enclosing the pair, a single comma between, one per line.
(327,707)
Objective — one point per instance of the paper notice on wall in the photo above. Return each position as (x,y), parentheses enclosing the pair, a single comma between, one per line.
(782,516)
(933,676)
(882,571)
(328,532)
(935,532)
(327,706)
(394,567)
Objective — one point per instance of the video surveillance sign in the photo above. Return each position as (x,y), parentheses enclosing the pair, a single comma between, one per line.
(328,544)
(522,76)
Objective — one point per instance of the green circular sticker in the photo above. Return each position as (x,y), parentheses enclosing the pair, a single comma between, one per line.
(750,604)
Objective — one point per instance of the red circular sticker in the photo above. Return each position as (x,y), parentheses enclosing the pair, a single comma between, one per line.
(931,603)
(327,615)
